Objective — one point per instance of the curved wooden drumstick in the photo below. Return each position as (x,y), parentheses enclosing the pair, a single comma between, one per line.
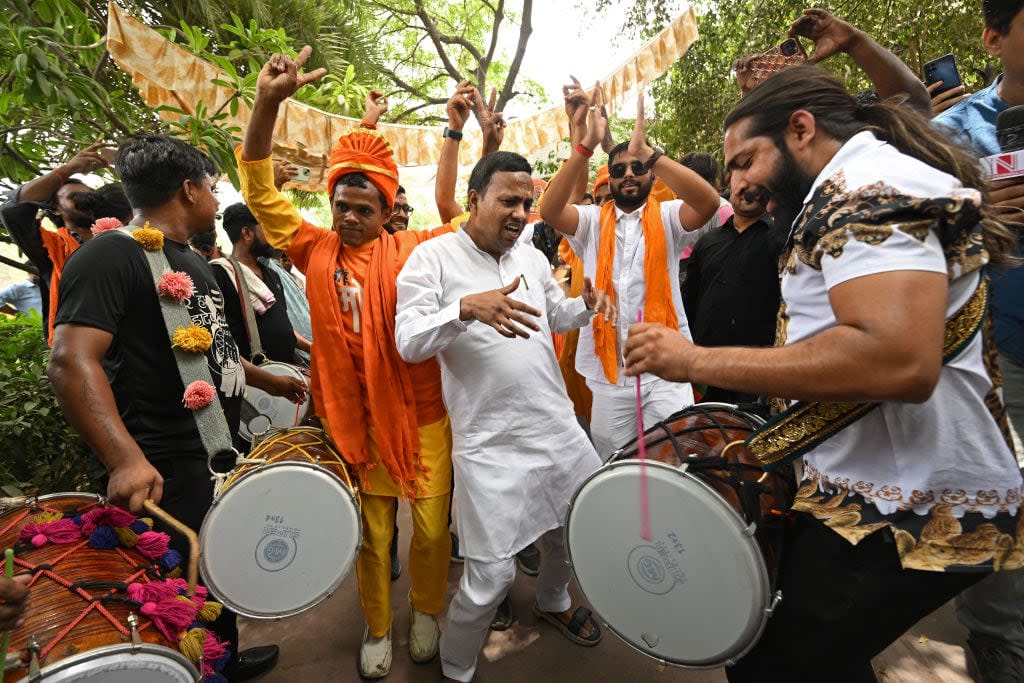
(193,541)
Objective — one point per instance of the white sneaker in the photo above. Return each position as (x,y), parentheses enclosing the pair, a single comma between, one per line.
(375,655)
(424,636)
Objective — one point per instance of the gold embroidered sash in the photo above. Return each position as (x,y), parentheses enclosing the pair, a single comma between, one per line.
(804,425)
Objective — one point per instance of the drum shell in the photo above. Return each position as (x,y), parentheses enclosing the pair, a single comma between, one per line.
(53,606)
(294,444)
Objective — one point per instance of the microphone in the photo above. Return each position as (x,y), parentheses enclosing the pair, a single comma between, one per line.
(1010,129)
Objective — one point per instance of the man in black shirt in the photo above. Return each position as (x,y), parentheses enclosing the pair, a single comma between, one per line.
(732,293)
(135,421)
(252,251)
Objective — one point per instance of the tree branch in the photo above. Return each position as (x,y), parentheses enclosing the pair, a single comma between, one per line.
(435,37)
(16,264)
(525,29)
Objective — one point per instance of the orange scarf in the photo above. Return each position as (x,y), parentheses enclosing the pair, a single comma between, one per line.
(59,246)
(658,305)
(575,385)
(390,398)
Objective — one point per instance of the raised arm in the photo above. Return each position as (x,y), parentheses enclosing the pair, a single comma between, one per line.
(587,125)
(45,186)
(85,397)
(700,200)
(887,72)
(448,165)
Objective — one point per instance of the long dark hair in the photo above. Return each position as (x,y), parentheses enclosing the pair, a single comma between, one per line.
(840,116)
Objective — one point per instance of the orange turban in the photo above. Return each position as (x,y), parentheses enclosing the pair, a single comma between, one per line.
(602,178)
(366,152)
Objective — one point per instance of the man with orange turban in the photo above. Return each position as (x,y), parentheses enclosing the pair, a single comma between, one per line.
(601,189)
(385,415)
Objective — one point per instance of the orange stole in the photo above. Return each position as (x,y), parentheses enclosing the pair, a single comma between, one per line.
(59,245)
(390,395)
(575,384)
(658,305)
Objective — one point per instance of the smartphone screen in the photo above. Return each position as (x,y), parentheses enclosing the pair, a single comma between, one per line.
(303,175)
(942,69)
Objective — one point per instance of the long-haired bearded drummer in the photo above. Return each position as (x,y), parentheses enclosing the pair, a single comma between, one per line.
(385,415)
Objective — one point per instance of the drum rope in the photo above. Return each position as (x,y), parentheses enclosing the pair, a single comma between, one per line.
(645,494)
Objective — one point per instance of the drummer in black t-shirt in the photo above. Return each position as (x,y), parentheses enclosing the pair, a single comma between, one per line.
(134,421)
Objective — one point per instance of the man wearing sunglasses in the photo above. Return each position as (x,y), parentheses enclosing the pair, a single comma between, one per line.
(630,245)
(399,213)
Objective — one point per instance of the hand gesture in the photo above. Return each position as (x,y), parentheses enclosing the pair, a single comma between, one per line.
(133,482)
(13,600)
(281,76)
(287,387)
(460,104)
(638,146)
(945,100)
(376,106)
(660,350)
(500,311)
(1007,198)
(492,123)
(742,68)
(596,120)
(576,107)
(283,172)
(830,34)
(89,159)
(599,301)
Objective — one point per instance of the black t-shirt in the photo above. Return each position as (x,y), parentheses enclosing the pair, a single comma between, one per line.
(276,333)
(732,288)
(107,284)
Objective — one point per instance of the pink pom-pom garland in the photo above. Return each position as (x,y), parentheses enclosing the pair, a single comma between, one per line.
(176,285)
(105,516)
(59,531)
(153,544)
(105,224)
(198,395)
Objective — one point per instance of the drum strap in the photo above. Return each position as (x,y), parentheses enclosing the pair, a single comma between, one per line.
(257,357)
(192,367)
(805,425)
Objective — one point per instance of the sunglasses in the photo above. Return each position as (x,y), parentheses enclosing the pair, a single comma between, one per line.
(619,170)
(402,208)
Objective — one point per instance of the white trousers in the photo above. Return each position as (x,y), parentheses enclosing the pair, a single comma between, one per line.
(613,414)
(482,588)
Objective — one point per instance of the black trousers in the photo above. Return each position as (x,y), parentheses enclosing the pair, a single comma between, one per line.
(188,494)
(842,605)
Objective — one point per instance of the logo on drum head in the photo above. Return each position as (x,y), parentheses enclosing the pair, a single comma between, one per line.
(649,571)
(274,553)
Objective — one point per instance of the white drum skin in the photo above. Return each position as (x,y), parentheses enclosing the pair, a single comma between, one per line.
(261,411)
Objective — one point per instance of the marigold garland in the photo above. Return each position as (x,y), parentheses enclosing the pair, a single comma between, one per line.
(176,285)
(192,338)
(151,239)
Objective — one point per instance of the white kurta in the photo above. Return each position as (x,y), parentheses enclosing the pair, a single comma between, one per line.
(518,452)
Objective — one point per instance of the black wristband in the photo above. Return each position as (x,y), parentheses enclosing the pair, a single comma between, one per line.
(649,164)
(453,134)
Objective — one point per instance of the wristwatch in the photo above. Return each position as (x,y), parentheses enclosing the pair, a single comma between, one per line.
(453,134)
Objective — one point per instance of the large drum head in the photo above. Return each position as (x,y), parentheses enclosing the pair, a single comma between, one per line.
(280,540)
(696,594)
(145,663)
(260,410)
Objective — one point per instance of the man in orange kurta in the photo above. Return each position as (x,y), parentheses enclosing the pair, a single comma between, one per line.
(385,415)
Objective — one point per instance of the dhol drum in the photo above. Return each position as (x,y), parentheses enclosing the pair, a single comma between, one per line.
(698,594)
(284,528)
(77,627)
(261,411)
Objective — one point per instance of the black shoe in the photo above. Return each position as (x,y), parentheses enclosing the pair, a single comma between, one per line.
(528,560)
(995,662)
(396,564)
(503,617)
(457,557)
(251,663)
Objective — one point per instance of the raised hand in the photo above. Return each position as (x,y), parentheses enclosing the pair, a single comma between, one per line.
(597,120)
(283,172)
(281,76)
(830,34)
(460,105)
(500,311)
(376,106)
(93,157)
(599,301)
(492,123)
(742,68)
(576,107)
(638,146)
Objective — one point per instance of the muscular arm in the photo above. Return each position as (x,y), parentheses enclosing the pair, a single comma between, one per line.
(556,209)
(890,352)
(85,397)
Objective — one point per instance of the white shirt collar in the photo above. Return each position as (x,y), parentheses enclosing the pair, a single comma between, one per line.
(861,143)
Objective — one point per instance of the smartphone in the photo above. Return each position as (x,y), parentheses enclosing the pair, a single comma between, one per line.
(787,53)
(942,69)
(303,175)
(108,154)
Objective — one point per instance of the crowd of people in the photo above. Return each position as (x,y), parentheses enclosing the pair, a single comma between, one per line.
(854,274)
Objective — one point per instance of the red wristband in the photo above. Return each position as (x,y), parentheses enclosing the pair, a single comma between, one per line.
(366,123)
(62,175)
(584,150)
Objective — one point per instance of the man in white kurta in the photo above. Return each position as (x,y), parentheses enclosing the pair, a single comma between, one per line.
(518,452)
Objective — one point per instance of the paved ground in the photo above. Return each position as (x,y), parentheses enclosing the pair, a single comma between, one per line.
(321,645)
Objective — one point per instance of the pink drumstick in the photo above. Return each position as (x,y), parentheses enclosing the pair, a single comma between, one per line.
(645,496)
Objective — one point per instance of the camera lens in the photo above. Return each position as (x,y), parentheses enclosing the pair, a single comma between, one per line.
(788,48)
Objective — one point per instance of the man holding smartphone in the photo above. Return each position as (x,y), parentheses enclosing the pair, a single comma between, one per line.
(993,610)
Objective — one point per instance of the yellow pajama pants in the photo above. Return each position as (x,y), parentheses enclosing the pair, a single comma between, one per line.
(430,547)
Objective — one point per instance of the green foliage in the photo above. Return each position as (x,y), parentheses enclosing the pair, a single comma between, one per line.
(694,97)
(41,453)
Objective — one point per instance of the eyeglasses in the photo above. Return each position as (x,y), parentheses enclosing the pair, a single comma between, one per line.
(619,170)
(402,208)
